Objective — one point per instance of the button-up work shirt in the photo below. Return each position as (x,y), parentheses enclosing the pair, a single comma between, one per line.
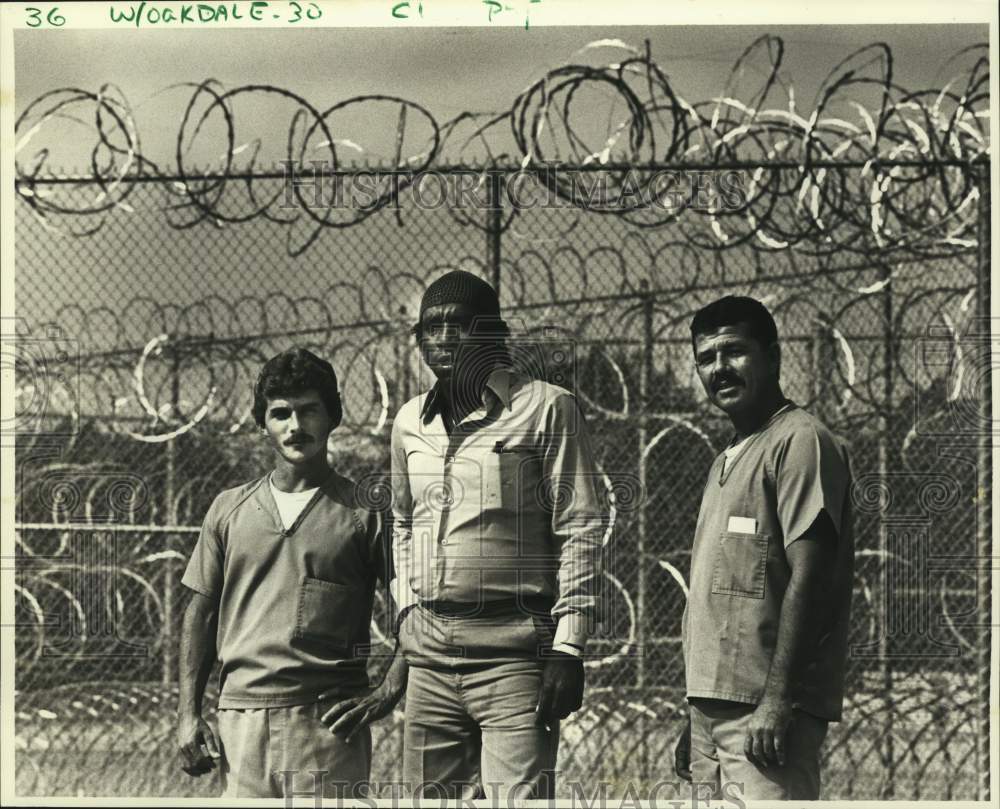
(506,507)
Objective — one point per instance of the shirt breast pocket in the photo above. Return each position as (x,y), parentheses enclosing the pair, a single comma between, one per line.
(511,478)
(326,612)
(740,565)
(423,471)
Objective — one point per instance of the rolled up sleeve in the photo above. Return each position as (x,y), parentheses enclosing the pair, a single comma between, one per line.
(579,521)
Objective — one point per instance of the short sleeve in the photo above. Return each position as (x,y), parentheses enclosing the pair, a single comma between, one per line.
(204,571)
(812,475)
(379,538)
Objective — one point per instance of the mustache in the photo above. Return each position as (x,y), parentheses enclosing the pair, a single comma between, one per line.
(298,438)
(722,380)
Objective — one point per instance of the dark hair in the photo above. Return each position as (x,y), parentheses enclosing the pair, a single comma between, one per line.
(733,309)
(293,372)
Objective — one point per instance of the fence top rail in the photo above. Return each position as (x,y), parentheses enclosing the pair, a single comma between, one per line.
(107,526)
(979,162)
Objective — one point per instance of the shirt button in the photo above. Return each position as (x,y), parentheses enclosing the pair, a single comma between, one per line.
(449,458)
(444,541)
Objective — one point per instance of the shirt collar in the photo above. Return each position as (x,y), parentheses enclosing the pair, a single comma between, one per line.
(498,384)
(735,441)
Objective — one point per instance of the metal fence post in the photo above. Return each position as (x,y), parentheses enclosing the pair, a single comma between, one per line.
(170,514)
(884,463)
(494,227)
(403,359)
(641,586)
(822,358)
(984,464)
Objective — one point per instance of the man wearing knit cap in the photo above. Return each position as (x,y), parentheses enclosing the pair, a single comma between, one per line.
(497,537)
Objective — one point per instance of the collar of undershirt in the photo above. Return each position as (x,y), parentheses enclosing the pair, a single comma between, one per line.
(305,494)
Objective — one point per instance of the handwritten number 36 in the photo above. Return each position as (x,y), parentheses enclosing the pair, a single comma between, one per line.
(310,13)
(53,18)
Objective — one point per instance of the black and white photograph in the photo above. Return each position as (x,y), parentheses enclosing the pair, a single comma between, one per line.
(519,402)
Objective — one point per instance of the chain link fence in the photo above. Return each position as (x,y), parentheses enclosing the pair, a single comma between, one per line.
(148,296)
(144,342)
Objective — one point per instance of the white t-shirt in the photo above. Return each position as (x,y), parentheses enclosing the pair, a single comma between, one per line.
(733,451)
(290,504)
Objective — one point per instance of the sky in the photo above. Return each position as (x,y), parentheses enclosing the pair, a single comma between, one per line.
(447,71)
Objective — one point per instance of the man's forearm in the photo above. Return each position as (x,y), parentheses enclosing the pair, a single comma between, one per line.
(197,655)
(396,675)
(402,559)
(798,612)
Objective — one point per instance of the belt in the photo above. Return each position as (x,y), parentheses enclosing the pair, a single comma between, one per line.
(529,605)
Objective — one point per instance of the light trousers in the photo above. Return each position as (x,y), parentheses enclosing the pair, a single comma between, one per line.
(718,733)
(281,752)
(471,727)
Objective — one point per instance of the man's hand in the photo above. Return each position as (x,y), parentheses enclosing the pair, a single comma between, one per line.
(561,691)
(401,618)
(198,746)
(765,742)
(682,752)
(348,717)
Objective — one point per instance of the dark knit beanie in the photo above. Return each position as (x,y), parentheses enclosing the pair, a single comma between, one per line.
(459,286)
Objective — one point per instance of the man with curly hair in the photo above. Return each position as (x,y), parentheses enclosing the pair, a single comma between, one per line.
(282,582)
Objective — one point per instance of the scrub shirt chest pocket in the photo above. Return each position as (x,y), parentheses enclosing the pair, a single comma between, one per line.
(326,612)
(740,564)
(511,475)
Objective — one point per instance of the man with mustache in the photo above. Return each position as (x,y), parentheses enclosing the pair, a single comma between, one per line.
(282,581)
(766,624)
(497,539)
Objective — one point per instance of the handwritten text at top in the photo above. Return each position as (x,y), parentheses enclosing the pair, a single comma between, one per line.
(144,13)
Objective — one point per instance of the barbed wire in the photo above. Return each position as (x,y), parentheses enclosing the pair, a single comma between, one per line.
(80,719)
(853,224)
(155,370)
(892,175)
